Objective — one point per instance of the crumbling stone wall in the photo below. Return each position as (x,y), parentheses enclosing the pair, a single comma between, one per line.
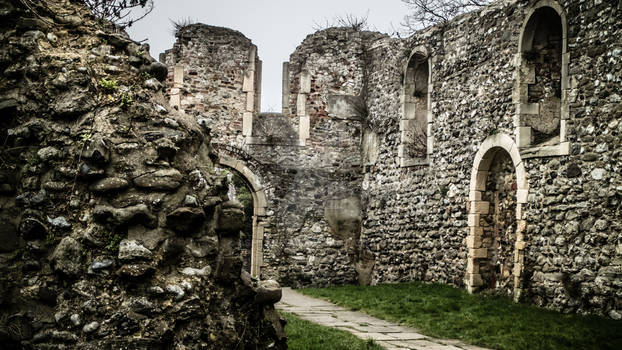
(344,96)
(114,230)
(416,219)
(302,171)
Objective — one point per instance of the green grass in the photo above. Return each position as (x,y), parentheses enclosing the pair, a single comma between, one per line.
(491,321)
(305,335)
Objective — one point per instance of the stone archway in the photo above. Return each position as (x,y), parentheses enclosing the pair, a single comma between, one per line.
(259,209)
(478,252)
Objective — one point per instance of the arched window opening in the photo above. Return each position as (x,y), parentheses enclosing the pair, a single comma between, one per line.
(415,128)
(542,113)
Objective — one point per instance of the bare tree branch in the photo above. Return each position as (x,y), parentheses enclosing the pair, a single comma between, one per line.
(345,21)
(429,12)
(123,13)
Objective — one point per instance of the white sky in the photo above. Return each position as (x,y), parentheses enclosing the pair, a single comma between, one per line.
(275,26)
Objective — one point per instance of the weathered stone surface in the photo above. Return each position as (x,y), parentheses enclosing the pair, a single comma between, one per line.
(92,162)
(413,217)
(67,257)
(185,220)
(121,216)
(268,292)
(168,179)
(109,184)
(131,250)
(230,217)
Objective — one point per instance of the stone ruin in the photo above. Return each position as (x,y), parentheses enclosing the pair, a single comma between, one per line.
(484,153)
(116,232)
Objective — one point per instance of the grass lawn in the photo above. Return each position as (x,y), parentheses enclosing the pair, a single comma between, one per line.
(491,321)
(305,335)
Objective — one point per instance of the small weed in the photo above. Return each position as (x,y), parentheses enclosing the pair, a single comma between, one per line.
(50,238)
(85,137)
(125,101)
(146,75)
(33,160)
(493,131)
(114,239)
(109,86)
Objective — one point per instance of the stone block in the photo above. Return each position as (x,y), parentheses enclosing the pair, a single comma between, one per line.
(304,127)
(563,130)
(475,195)
(564,148)
(521,177)
(250,101)
(522,195)
(529,108)
(478,180)
(409,110)
(480,207)
(474,279)
(400,151)
(478,253)
(473,219)
(247,124)
(523,136)
(430,141)
(178,75)
(474,241)
(249,81)
(520,225)
(344,106)
(476,231)
(305,82)
(301,102)
(472,266)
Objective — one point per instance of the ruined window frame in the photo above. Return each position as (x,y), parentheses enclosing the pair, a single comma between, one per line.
(404,159)
(523,132)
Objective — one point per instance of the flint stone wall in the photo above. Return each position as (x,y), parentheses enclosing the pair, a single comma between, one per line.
(114,230)
(343,93)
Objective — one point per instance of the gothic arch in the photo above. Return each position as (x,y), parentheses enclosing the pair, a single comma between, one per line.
(260,204)
(477,207)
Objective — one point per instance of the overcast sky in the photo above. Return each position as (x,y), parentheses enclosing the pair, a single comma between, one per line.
(275,26)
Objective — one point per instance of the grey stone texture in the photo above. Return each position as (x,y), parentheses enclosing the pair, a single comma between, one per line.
(108,197)
(428,219)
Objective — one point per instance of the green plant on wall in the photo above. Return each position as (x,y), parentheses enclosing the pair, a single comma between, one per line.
(125,101)
(113,241)
(109,86)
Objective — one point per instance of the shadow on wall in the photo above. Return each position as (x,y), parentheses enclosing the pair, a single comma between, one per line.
(344,219)
(274,128)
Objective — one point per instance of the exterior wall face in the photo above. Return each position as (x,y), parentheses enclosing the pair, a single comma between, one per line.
(547,227)
(214,75)
(568,252)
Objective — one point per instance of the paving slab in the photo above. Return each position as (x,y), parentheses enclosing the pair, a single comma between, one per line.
(389,335)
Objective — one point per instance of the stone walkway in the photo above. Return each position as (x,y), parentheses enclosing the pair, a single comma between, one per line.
(389,335)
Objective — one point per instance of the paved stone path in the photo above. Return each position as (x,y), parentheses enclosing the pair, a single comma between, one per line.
(389,335)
